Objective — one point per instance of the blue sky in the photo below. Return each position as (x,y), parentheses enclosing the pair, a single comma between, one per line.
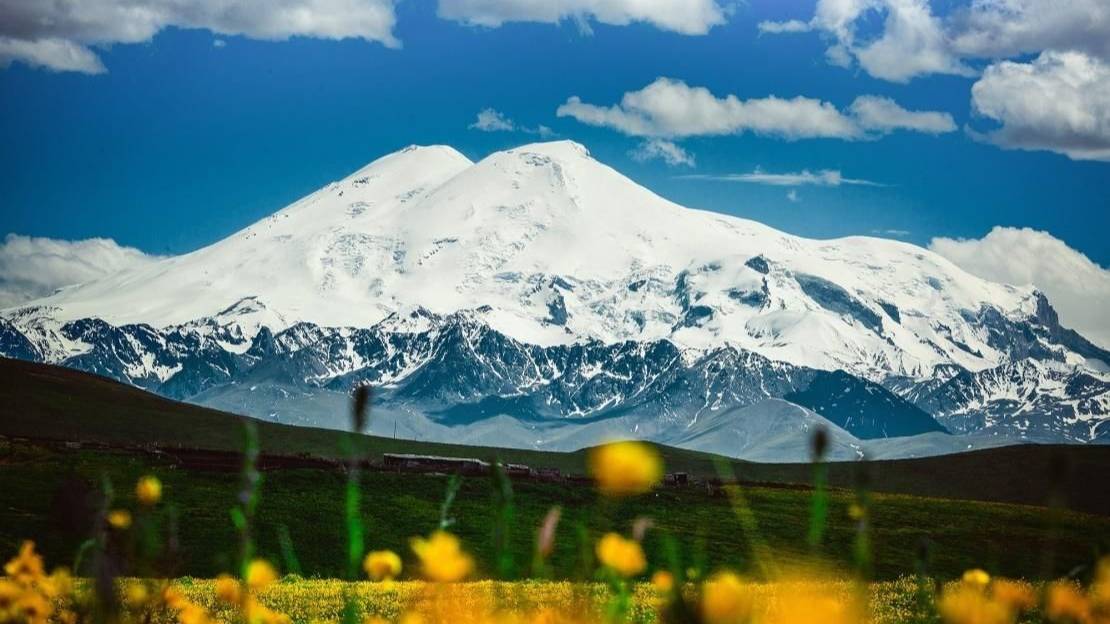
(190,135)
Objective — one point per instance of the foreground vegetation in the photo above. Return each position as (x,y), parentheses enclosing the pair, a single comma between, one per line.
(52,496)
(131,524)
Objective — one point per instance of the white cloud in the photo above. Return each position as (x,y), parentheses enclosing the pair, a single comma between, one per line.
(60,35)
(664,150)
(792,195)
(219,43)
(805,177)
(33,267)
(1060,102)
(1078,288)
(50,53)
(669,108)
(689,17)
(490,120)
(911,41)
(1003,28)
(884,115)
(789,26)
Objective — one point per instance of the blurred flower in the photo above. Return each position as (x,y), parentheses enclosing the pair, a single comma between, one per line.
(977,578)
(624,556)
(227,589)
(725,599)
(257,613)
(26,567)
(663,581)
(148,490)
(382,565)
(1100,588)
(260,574)
(187,612)
(119,519)
(136,595)
(1066,603)
(34,608)
(856,511)
(1016,595)
(625,468)
(442,558)
(808,607)
(967,603)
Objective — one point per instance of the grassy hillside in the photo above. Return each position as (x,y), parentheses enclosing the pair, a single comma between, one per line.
(47,402)
(45,494)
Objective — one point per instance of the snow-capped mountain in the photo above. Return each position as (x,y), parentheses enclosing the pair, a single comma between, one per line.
(541,285)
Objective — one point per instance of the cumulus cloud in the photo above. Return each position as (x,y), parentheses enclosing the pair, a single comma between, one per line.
(664,150)
(1078,288)
(671,109)
(32,267)
(1060,102)
(792,195)
(61,35)
(491,120)
(789,26)
(1005,28)
(884,115)
(823,177)
(911,41)
(690,17)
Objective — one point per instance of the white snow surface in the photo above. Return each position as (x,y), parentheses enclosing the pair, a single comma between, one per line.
(522,229)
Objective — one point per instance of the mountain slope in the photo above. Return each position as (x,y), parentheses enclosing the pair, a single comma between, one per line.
(543,285)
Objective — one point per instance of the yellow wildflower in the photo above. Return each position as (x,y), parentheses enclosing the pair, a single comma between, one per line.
(725,599)
(60,583)
(624,556)
(1014,594)
(173,597)
(9,592)
(977,578)
(382,565)
(119,519)
(148,490)
(625,468)
(227,589)
(1065,603)
(190,613)
(442,558)
(808,607)
(663,581)
(136,595)
(856,511)
(258,613)
(26,567)
(373,619)
(1100,588)
(260,574)
(967,604)
(34,608)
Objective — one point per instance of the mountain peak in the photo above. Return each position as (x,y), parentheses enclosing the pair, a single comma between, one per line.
(414,156)
(562,149)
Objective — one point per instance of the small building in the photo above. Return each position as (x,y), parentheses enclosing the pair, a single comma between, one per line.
(519,470)
(676,478)
(434,463)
